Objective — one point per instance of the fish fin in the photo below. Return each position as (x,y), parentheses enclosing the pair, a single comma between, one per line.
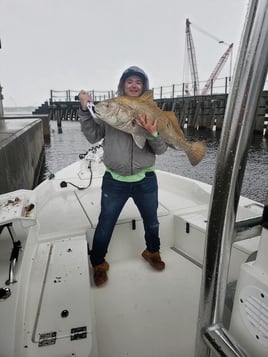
(148,94)
(139,140)
(196,152)
(148,100)
(173,120)
(172,117)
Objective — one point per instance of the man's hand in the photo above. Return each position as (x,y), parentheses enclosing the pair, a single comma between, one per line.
(84,98)
(146,123)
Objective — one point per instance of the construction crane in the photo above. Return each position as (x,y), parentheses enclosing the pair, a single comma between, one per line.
(192,57)
(217,69)
(193,63)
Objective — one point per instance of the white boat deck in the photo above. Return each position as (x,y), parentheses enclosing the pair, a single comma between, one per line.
(139,312)
(142,312)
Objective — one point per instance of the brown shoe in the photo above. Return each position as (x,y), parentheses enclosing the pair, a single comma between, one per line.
(100,275)
(154,259)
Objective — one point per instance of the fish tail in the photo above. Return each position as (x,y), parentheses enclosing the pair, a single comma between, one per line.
(196,152)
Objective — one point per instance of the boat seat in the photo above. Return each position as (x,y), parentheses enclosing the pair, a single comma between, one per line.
(91,207)
(190,232)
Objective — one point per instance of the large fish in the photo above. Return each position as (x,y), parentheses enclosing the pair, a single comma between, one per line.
(122,112)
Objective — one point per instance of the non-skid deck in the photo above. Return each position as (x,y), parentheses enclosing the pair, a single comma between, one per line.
(143,312)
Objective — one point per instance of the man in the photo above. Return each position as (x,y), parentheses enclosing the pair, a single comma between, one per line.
(129,173)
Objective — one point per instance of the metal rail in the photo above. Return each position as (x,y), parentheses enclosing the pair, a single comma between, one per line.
(247,85)
(172,91)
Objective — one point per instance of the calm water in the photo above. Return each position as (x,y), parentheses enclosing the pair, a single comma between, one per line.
(65,148)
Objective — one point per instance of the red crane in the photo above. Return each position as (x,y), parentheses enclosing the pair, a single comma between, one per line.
(217,69)
(193,63)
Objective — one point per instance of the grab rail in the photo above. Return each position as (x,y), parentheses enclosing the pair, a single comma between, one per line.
(14,253)
(248,82)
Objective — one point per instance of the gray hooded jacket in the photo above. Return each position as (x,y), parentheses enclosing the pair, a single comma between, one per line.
(121,154)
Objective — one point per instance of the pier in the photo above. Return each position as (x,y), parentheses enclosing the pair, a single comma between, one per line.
(192,110)
(21,153)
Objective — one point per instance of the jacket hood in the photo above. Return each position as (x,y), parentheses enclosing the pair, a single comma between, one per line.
(131,71)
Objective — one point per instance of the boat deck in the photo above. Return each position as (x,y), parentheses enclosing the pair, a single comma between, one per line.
(139,311)
(152,313)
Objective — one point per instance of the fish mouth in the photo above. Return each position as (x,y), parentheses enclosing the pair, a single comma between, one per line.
(101,110)
(96,111)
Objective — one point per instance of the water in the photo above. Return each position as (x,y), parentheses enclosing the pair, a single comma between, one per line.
(65,148)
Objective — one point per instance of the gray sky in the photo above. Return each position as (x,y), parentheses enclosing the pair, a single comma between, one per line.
(74,44)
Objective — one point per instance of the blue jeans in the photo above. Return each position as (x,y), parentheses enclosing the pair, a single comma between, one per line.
(114,196)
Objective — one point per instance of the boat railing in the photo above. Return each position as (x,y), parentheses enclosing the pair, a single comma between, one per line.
(247,228)
(14,253)
(246,88)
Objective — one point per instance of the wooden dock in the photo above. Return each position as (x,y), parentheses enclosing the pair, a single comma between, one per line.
(207,112)
(197,112)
